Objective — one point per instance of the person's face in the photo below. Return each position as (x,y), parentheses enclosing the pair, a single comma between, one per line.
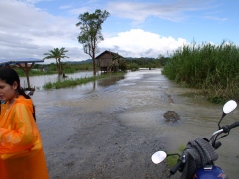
(7,92)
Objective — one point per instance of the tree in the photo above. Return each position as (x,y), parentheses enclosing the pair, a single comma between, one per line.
(58,54)
(90,35)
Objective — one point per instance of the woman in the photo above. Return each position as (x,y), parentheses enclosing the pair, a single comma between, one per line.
(21,150)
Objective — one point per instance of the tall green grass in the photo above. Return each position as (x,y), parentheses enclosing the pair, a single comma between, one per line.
(212,68)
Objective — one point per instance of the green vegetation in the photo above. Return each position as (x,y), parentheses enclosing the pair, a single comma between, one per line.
(144,62)
(172,160)
(212,69)
(78,81)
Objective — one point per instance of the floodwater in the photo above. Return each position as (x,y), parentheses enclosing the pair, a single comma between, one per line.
(139,99)
(39,81)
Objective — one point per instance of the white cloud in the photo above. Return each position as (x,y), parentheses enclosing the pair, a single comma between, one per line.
(31,32)
(138,43)
(172,11)
(26,31)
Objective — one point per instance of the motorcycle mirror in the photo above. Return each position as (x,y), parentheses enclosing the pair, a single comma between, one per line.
(158,157)
(229,106)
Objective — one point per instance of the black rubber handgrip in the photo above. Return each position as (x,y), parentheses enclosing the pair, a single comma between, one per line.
(235,124)
(176,167)
(227,128)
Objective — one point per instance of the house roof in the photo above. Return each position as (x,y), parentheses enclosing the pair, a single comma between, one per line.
(15,61)
(115,55)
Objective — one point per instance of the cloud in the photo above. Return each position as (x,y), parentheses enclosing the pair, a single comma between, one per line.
(31,32)
(172,11)
(27,31)
(216,18)
(65,7)
(31,1)
(139,43)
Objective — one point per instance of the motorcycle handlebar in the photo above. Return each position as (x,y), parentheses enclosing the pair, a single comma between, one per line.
(227,128)
(181,161)
(176,167)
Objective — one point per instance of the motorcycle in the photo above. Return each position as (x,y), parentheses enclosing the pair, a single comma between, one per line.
(197,159)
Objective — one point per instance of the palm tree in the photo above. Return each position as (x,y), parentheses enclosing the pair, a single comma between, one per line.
(58,54)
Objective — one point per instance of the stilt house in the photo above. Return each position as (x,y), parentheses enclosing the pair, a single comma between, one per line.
(108,61)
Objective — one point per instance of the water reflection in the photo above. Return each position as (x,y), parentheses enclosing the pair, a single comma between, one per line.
(109,81)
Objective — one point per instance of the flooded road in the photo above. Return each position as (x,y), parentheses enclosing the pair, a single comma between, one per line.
(124,117)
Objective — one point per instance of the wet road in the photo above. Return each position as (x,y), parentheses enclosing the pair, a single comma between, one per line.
(123,117)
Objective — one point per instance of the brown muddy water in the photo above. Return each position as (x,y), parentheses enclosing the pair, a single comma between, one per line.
(138,101)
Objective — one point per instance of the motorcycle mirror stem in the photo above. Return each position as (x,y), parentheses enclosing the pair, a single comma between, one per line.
(227,108)
(173,154)
(223,115)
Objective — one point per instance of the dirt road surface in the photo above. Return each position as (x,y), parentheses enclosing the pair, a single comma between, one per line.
(108,133)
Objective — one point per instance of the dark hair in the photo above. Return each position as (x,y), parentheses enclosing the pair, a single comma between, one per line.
(10,76)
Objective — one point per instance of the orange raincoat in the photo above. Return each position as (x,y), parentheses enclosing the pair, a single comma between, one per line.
(21,150)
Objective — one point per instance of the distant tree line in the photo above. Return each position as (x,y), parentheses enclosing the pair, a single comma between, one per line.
(86,65)
(145,62)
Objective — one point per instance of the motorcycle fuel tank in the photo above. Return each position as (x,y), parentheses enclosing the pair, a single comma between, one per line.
(210,172)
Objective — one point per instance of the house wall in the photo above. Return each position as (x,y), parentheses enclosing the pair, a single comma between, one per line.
(104,61)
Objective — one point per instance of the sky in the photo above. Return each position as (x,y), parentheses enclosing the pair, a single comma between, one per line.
(135,28)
